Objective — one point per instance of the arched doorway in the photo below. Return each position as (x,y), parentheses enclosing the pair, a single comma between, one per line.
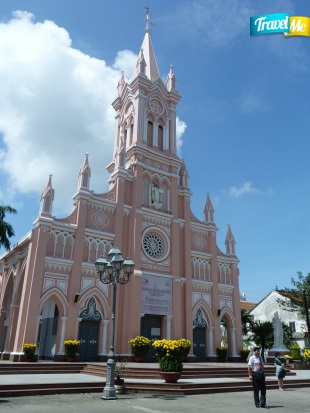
(48,327)
(89,331)
(199,336)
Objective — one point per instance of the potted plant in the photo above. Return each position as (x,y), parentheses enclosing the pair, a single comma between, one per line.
(185,346)
(288,359)
(222,353)
(120,369)
(29,350)
(139,347)
(244,353)
(71,348)
(169,354)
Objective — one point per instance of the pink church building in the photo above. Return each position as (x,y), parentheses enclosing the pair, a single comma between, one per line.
(183,285)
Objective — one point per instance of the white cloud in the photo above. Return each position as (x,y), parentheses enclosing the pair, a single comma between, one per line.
(246,188)
(180,129)
(55,105)
(125,60)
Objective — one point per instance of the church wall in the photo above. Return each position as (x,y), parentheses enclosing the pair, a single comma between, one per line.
(149,195)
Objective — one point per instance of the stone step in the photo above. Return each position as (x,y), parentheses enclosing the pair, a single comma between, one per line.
(158,388)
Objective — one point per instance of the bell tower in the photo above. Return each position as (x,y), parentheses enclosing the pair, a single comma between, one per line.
(146,109)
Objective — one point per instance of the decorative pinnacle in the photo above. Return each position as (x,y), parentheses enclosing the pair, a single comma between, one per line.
(147,20)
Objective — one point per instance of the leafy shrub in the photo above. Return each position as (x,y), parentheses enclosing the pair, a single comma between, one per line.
(295,352)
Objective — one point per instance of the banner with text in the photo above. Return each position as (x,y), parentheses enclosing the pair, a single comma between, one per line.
(156,295)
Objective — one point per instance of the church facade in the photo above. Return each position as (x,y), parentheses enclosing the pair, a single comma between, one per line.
(183,285)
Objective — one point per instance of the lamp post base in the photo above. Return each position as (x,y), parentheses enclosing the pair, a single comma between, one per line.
(109,392)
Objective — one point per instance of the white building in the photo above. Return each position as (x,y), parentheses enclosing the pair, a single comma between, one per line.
(266,308)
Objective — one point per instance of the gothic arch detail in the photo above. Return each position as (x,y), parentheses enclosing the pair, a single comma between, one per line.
(201,269)
(60,244)
(91,312)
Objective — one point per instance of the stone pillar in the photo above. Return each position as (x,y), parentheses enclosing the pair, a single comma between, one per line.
(211,352)
(105,324)
(233,342)
(168,326)
(61,351)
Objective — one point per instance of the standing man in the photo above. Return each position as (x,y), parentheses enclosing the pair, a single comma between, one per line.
(257,375)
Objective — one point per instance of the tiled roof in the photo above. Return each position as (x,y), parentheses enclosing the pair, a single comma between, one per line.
(247,305)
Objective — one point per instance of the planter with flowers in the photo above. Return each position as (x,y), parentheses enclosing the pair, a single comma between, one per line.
(185,346)
(71,348)
(139,347)
(288,359)
(29,349)
(169,354)
(244,353)
(222,353)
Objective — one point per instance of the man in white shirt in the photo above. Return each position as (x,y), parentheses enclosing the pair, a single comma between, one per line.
(257,375)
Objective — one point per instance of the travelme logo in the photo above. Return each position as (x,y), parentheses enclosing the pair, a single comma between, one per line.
(280,23)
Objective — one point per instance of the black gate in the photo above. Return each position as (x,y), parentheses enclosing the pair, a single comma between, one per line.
(151,328)
(88,338)
(199,335)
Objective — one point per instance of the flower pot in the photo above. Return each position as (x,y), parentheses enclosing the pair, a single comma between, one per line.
(71,359)
(170,376)
(139,359)
(28,359)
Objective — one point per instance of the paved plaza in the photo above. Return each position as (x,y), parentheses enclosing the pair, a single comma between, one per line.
(290,401)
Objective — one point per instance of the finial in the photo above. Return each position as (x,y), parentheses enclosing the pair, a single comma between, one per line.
(147,20)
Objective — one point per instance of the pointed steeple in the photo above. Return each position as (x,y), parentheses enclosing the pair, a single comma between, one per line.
(183,176)
(147,55)
(209,211)
(230,243)
(47,198)
(84,175)
(171,80)
(121,84)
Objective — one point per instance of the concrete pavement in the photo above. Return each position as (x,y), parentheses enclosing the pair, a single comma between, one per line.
(291,400)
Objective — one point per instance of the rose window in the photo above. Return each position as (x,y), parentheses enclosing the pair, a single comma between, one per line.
(153,245)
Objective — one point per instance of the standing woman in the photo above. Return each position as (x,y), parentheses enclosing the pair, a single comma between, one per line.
(280,371)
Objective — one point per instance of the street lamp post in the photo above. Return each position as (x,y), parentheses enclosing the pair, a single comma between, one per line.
(117,270)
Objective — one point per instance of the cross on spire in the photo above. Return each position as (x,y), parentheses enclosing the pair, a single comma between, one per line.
(147,20)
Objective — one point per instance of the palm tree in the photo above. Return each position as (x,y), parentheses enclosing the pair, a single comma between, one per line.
(262,335)
(246,320)
(6,229)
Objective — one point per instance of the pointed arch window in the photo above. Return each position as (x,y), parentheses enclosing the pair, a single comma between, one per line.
(131,134)
(160,137)
(150,133)
(145,193)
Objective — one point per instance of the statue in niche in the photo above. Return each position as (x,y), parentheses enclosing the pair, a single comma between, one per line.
(156,196)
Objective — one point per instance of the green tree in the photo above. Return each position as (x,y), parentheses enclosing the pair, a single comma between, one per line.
(297,298)
(287,335)
(246,320)
(6,229)
(262,335)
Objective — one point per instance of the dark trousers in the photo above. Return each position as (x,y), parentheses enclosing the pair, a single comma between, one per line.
(259,385)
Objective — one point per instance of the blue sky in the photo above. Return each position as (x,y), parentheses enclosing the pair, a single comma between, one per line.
(243,119)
